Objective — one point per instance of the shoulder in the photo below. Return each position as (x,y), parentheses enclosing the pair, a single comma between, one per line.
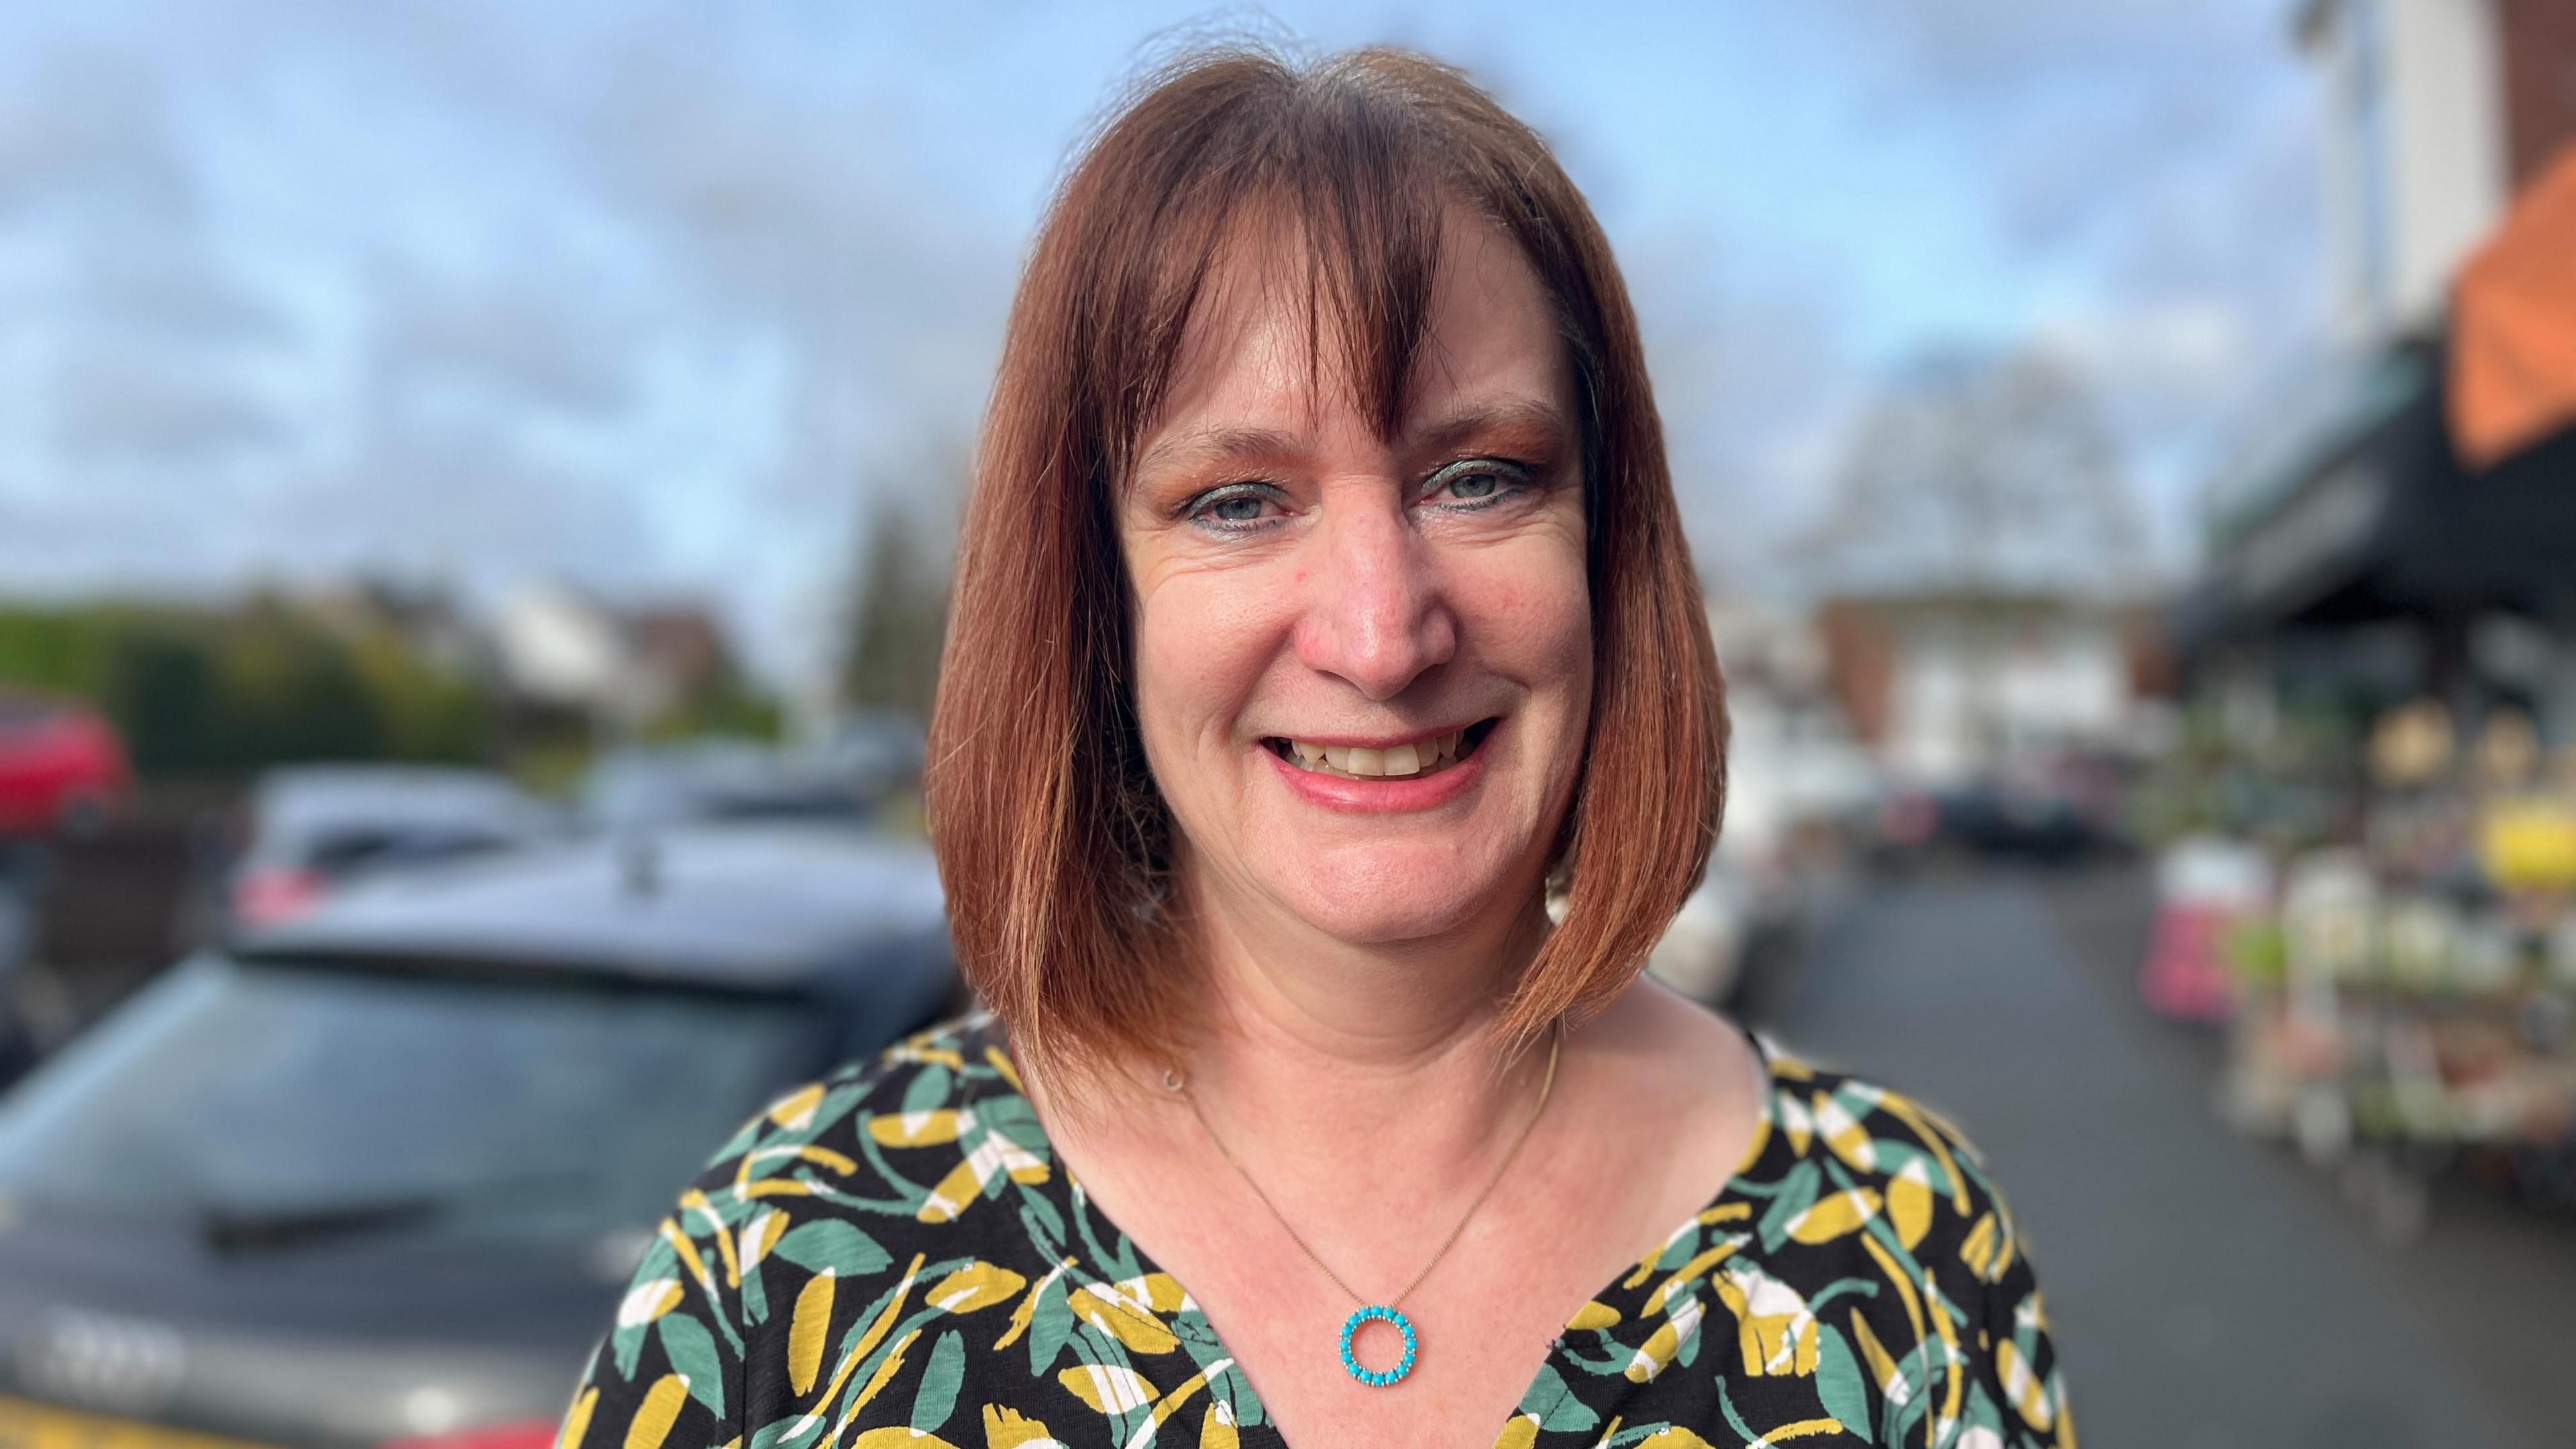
(935,1121)
(1892,1153)
(1864,1179)
(804,1255)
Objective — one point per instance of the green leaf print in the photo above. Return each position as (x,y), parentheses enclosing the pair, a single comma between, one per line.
(938,1394)
(1797,1194)
(928,1092)
(1839,1385)
(1554,1405)
(692,1351)
(1050,1324)
(834,1245)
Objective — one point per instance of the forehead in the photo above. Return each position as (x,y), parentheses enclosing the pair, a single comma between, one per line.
(1277,343)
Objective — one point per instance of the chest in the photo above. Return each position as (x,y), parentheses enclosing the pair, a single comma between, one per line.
(1484,1324)
(1487,1317)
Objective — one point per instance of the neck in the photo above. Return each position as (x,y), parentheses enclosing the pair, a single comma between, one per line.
(1308,1044)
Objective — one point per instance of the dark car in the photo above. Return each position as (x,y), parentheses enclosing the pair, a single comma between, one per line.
(314,828)
(646,788)
(380,1175)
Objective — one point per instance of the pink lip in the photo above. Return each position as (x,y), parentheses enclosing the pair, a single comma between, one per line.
(1383,797)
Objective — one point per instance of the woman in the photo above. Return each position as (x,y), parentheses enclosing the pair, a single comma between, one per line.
(1321,613)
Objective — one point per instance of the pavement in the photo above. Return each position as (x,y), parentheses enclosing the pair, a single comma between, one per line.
(2206,1291)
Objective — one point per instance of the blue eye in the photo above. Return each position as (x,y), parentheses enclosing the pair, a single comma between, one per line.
(1234,508)
(1474,483)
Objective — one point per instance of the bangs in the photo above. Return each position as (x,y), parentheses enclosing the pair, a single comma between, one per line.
(1325,190)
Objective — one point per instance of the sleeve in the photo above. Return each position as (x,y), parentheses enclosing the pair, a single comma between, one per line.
(2020,1398)
(670,1370)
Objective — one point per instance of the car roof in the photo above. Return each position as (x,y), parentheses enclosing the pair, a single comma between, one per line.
(762,906)
(308,797)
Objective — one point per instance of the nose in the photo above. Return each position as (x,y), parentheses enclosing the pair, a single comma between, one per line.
(1375,615)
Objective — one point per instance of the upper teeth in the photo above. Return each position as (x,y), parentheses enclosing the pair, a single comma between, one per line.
(1406,759)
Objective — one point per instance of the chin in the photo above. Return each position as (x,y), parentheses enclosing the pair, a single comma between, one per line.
(1383,903)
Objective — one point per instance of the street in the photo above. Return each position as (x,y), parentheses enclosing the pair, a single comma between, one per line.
(2205,1290)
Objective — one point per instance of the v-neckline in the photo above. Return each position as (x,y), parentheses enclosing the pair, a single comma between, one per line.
(1766,1132)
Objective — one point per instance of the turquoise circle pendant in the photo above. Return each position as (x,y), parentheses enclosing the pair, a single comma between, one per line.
(1351,1360)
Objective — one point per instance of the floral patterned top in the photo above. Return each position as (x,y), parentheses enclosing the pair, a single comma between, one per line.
(891,1256)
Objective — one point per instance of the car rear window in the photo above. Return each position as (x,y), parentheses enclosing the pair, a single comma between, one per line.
(248,1098)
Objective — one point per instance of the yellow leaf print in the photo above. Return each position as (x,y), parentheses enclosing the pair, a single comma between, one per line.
(977,1285)
(1844,1134)
(577,1422)
(1107,1387)
(960,1187)
(648,1301)
(1977,1250)
(1595,1314)
(806,1331)
(1157,1291)
(1832,1217)
(1774,1328)
(883,1376)
(1520,1433)
(1217,1430)
(903,1434)
(1027,1308)
(795,1111)
(1010,1429)
(1675,1437)
(917,1129)
(2023,1387)
(1660,1350)
(759,1235)
(1672,1287)
(1882,1364)
(1909,1203)
(1125,1322)
(659,1410)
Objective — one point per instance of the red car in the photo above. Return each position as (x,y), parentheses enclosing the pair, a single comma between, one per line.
(61,765)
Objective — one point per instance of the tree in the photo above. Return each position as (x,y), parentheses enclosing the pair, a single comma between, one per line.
(901,617)
(1978,474)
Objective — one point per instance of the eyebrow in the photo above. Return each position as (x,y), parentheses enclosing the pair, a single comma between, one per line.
(1220,445)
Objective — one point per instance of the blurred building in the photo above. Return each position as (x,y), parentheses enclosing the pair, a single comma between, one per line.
(1946,687)
(2400,521)
(623,668)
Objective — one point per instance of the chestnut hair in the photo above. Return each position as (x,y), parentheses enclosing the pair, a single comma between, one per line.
(1052,838)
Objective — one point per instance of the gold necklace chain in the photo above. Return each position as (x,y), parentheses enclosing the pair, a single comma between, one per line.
(1172,1081)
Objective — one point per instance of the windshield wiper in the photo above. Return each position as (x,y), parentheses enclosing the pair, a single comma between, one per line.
(254,1230)
(227,1229)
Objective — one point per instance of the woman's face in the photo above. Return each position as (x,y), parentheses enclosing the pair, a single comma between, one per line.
(1364,663)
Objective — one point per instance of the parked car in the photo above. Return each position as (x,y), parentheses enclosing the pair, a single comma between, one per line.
(62,766)
(314,828)
(646,788)
(876,751)
(379,1175)
(2062,811)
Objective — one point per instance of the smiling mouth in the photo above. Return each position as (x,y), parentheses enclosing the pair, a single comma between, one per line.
(1396,762)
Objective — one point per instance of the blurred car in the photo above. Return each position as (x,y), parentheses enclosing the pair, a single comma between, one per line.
(2065,812)
(876,751)
(378,1176)
(312,829)
(62,766)
(646,788)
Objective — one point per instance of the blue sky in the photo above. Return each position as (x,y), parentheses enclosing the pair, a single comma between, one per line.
(654,297)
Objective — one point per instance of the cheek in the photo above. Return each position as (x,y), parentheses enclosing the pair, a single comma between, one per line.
(1202,643)
(1534,613)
